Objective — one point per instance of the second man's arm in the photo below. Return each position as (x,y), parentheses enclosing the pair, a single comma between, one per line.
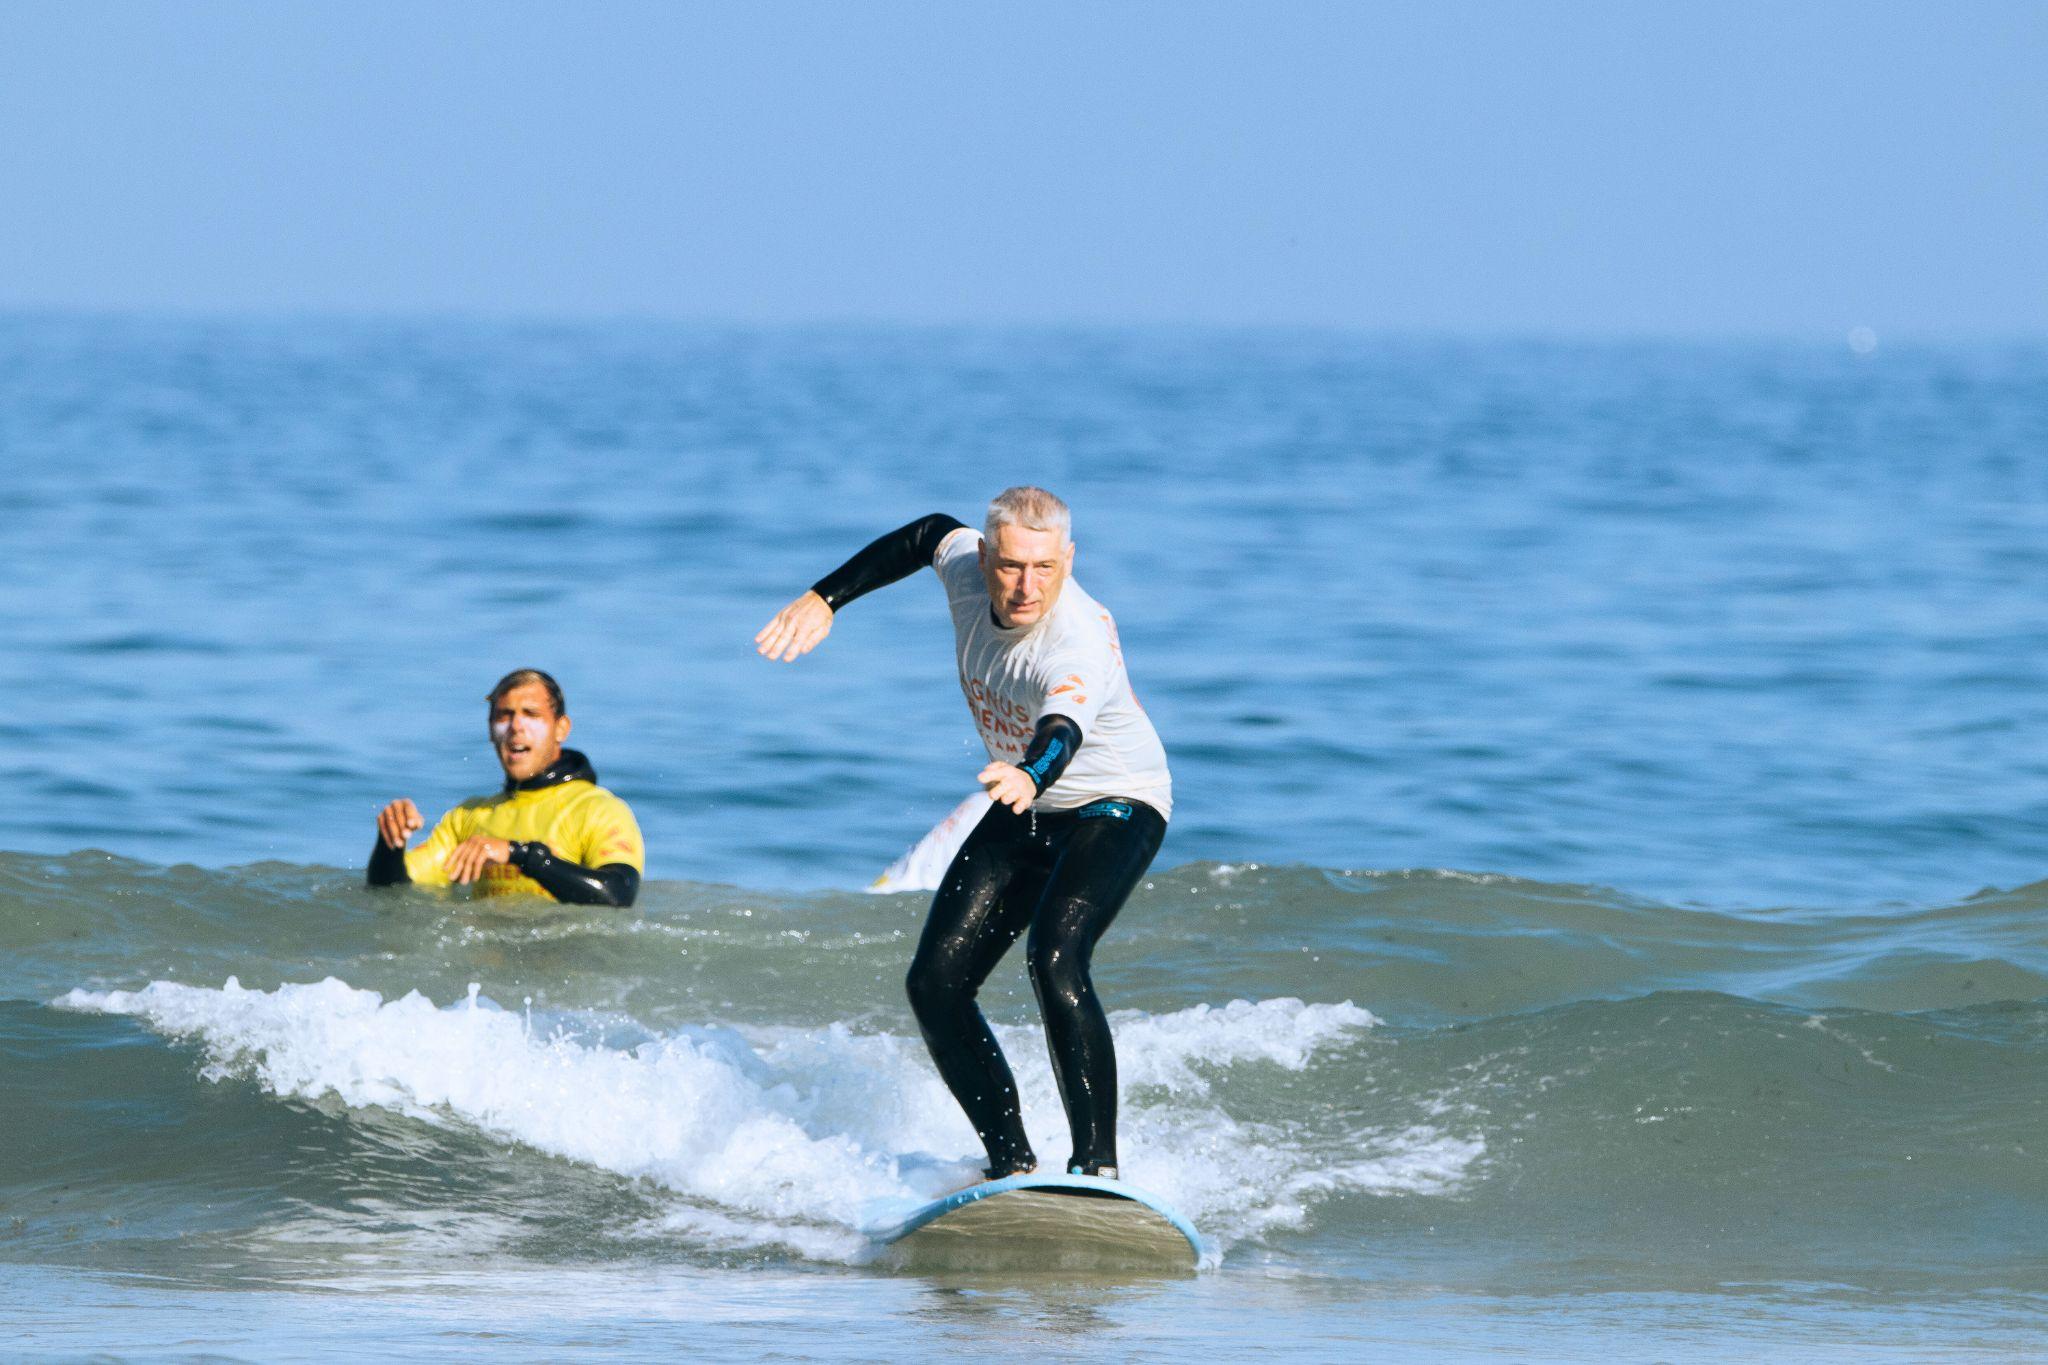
(573,883)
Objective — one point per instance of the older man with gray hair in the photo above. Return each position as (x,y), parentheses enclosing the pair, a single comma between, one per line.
(1081,796)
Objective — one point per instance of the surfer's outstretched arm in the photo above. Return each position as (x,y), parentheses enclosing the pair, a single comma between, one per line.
(799,627)
(888,559)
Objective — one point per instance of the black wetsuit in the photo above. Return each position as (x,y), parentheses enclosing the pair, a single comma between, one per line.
(1063,876)
(613,884)
(1060,875)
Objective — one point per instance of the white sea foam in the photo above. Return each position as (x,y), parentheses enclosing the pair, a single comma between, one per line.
(788,1136)
(1159,1049)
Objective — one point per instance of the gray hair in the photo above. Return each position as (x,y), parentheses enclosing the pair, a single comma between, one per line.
(1034,509)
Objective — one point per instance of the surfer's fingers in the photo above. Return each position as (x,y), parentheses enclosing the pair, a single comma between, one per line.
(1007,784)
(778,626)
(467,859)
(780,634)
(802,639)
(394,822)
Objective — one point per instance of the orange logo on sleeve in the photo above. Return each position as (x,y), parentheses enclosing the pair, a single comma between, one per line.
(615,841)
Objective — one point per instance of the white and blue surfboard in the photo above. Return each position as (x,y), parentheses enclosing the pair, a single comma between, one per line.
(1046,1222)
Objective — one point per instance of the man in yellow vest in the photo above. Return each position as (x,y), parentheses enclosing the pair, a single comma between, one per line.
(552,830)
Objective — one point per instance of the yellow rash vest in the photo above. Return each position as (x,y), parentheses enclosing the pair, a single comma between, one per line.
(563,808)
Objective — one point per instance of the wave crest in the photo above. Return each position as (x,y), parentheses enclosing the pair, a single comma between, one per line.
(784,1136)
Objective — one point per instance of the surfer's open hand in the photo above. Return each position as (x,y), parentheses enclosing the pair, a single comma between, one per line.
(1008,785)
(467,860)
(796,629)
(398,821)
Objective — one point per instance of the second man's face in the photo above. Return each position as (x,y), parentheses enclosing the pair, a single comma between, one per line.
(526,732)
(1025,570)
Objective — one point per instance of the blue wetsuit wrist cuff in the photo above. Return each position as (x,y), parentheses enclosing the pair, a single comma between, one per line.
(1045,763)
(1053,745)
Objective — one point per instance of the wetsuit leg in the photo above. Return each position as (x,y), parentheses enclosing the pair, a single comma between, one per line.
(983,904)
(1100,861)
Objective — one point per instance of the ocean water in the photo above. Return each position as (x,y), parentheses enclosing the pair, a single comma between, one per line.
(1603,912)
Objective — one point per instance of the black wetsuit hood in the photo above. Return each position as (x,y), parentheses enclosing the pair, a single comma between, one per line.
(572,766)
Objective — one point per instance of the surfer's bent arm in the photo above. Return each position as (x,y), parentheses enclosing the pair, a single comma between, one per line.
(395,825)
(798,627)
(887,559)
(1075,680)
(573,883)
(1053,745)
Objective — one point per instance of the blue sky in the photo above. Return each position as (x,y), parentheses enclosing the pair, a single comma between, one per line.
(1725,168)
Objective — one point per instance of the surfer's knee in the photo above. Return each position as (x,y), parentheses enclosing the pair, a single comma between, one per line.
(1059,969)
(933,990)
(920,987)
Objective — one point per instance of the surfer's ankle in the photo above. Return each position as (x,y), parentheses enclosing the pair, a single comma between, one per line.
(1101,1170)
(1002,1170)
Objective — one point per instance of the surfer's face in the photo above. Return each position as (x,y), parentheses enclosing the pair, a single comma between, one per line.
(1025,570)
(526,732)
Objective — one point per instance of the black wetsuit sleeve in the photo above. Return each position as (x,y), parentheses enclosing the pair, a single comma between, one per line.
(387,865)
(890,559)
(573,883)
(1053,746)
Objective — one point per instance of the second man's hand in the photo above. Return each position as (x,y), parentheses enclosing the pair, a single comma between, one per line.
(1008,785)
(398,822)
(467,860)
(796,630)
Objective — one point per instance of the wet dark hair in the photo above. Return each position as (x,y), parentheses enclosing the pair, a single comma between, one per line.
(520,677)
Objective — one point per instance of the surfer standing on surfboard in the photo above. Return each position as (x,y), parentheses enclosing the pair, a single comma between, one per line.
(1080,798)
